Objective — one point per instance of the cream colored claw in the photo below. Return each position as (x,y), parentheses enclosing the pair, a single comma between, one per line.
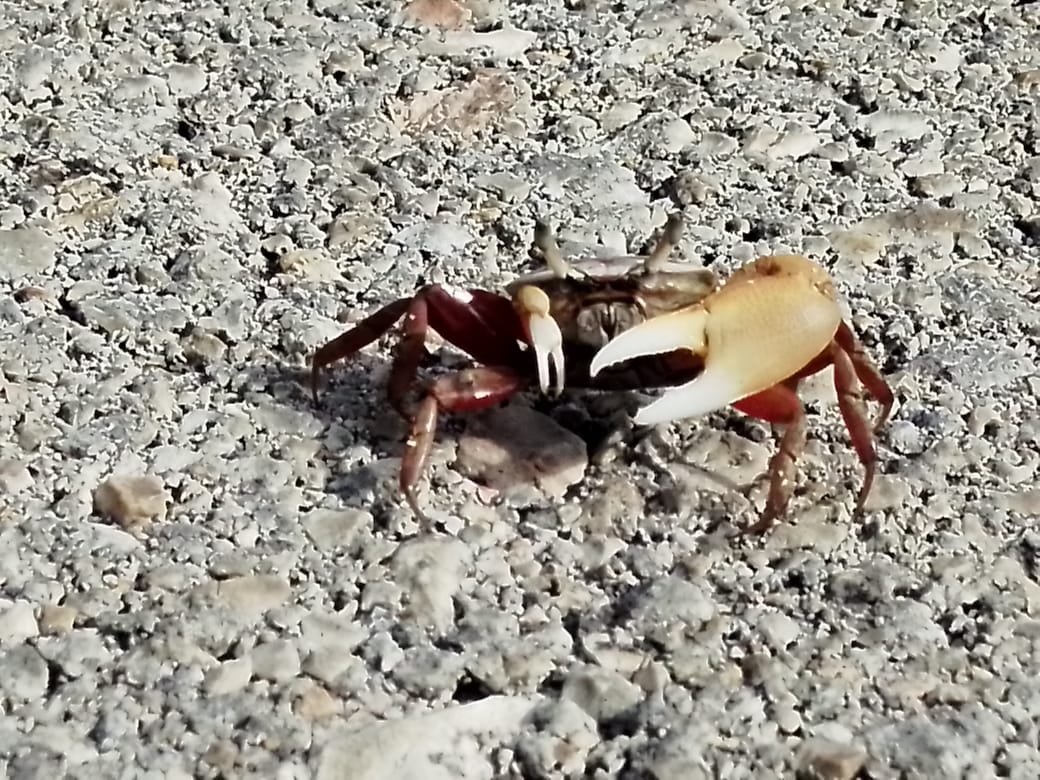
(544,334)
(767,323)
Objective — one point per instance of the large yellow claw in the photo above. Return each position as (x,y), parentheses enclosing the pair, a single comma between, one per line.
(769,321)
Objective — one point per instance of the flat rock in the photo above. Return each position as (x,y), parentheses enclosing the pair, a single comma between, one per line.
(438,745)
(515,445)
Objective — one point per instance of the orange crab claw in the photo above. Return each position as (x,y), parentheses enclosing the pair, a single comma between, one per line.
(768,321)
(533,306)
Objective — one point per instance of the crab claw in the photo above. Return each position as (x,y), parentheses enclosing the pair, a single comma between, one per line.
(767,323)
(544,335)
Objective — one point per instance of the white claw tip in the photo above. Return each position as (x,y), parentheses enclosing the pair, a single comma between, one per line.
(547,341)
(684,329)
(714,389)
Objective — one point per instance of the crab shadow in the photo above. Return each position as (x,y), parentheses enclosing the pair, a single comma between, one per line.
(352,398)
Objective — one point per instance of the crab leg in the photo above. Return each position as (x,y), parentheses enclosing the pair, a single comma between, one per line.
(408,354)
(867,373)
(778,405)
(468,390)
(358,337)
(544,241)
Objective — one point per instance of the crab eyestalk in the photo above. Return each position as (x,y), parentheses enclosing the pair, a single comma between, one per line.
(546,243)
(666,244)
(544,335)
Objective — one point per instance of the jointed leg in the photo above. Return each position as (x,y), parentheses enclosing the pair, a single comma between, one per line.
(468,390)
(408,354)
(358,337)
(779,405)
(867,372)
(854,412)
(546,242)
(666,244)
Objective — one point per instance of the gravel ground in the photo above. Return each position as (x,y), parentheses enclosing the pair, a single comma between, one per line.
(206,575)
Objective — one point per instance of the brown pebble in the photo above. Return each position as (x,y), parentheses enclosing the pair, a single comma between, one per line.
(132,501)
(56,619)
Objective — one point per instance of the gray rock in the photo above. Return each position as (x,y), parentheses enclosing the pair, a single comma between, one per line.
(413,748)
(516,446)
(601,693)
(23,673)
(229,677)
(25,252)
(564,736)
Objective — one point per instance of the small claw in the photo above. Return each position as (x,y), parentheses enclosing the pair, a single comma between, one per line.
(544,334)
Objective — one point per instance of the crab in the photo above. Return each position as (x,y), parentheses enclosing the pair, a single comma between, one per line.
(543,331)
(773,323)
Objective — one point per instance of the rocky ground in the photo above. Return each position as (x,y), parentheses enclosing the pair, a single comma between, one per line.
(205,575)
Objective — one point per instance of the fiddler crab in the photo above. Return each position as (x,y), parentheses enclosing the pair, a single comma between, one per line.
(634,323)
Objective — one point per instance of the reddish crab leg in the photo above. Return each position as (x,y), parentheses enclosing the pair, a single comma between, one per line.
(778,405)
(867,373)
(468,390)
(358,337)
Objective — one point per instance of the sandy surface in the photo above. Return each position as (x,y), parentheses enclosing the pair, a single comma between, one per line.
(205,575)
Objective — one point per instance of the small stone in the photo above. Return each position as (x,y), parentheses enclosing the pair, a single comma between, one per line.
(676,135)
(510,188)
(25,251)
(779,630)
(14,477)
(57,619)
(327,663)
(185,79)
(132,501)
(321,629)
(601,693)
(414,746)
(430,571)
(311,263)
(445,14)
(18,623)
(316,703)
(229,677)
(332,529)
(566,734)
(276,661)
(515,446)
(79,653)
(252,596)
(23,673)
(829,760)
(204,347)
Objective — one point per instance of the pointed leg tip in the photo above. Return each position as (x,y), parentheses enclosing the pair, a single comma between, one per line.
(759,527)
(315,382)
(413,503)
